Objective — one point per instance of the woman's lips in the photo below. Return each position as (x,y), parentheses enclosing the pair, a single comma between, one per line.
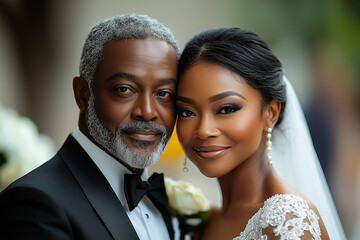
(210,151)
(144,135)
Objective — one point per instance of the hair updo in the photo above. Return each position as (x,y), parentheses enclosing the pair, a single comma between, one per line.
(243,52)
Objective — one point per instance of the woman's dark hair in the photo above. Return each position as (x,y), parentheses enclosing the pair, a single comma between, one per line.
(242,52)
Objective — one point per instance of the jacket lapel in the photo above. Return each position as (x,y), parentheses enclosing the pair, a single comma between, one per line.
(97,190)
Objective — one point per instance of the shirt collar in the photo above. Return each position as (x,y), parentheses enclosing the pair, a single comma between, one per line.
(112,169)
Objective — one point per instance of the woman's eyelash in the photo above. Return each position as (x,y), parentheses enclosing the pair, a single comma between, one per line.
(228,109)
(184,113)
(224,109)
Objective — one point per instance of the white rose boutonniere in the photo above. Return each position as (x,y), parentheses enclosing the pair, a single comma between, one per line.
(188,204)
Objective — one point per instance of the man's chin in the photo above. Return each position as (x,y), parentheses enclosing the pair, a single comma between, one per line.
(138,154)
(143,146)
(140,157)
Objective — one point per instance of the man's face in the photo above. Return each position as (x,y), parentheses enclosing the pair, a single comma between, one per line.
(131,107)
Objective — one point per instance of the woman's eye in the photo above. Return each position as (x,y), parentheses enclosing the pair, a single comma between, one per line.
(228,109)
(185,113)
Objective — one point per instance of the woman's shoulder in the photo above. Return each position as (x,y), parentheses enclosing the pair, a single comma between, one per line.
(296,208)
(290,215)
(290,198)
(285,215)
(288,207)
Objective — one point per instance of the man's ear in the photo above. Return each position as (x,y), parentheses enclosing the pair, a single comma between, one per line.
(272,112)
(81,93)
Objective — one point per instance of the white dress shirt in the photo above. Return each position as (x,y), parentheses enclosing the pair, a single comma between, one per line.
(146,218)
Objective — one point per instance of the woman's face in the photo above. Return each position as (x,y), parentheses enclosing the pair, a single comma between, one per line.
(220,124)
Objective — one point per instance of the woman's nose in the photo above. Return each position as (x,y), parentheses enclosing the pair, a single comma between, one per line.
(206,128)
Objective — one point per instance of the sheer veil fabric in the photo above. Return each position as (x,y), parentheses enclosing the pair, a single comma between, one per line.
(296,162)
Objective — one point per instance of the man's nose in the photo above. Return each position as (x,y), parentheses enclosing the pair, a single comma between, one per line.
(145,108)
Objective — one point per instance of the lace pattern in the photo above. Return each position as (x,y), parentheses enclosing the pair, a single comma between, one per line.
(287,215)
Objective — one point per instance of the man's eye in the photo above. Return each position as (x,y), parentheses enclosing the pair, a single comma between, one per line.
(123,89)
(228,109)
(185,113)
(164,94)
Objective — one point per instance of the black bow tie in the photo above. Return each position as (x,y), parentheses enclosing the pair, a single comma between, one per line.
(154,188)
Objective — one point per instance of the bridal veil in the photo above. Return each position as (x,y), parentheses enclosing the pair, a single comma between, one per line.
(296,162)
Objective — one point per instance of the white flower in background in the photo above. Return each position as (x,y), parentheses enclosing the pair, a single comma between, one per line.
(185,198)
(22,148)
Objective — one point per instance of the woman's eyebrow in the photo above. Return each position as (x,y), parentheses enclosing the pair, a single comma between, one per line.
(185,100)
(224,95)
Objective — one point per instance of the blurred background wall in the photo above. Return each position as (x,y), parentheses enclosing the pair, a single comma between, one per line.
(318,43)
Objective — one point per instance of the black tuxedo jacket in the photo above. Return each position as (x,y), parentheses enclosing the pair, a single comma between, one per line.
(66,198)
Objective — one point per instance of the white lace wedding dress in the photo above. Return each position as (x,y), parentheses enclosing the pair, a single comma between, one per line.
(287,216)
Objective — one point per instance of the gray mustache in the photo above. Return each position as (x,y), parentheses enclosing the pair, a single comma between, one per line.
(141,125)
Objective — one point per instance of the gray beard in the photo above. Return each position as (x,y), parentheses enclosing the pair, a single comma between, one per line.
(116,146)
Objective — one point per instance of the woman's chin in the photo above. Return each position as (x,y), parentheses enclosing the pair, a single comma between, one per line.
(210,173)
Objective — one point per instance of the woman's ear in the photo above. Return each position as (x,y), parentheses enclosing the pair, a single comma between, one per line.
(272,112)
(81,93)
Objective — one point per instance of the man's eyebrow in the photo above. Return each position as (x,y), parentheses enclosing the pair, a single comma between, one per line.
(122,75)
(224,95)
(184,99)
(167,80)
(133,77)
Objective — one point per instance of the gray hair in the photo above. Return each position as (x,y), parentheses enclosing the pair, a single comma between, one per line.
(127,26)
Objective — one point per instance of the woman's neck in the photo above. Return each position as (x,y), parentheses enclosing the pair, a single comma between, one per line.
(247,184)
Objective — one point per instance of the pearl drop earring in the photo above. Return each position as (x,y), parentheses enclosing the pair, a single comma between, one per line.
(268,147)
